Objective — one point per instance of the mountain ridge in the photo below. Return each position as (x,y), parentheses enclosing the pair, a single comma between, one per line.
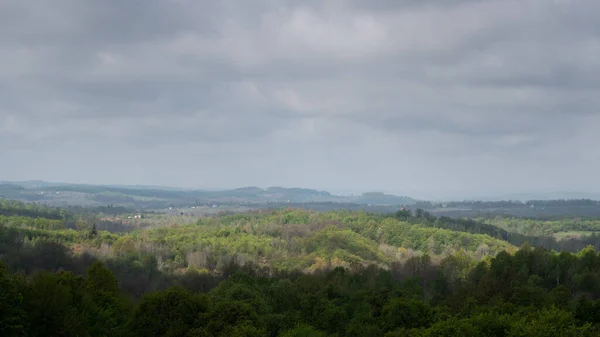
(162,196)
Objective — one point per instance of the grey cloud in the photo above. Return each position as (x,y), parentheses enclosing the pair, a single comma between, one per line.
(328,94)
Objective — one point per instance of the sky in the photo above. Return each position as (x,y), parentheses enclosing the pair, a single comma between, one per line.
(432,99)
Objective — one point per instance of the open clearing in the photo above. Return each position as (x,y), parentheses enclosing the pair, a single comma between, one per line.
(572,234)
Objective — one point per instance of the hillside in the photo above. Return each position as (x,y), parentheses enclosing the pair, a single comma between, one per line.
(276,274)
(554,209)
(160,198)
(288,239)
(285,239)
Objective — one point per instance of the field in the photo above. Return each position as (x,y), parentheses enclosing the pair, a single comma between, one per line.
(573,234)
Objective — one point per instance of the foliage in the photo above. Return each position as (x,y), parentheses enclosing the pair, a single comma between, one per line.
(292,273)
(499,298)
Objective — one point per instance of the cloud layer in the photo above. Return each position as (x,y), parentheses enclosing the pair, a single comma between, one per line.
(429,98)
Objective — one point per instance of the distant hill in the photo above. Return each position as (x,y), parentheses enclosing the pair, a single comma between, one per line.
(158,197)
(547,209)
(378,198)
(555,195)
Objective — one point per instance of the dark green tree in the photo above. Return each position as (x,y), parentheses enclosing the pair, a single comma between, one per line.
(13,317)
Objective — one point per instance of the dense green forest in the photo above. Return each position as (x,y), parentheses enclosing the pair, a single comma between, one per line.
(288,239)
(101,271)
(281,239)
(539,233)
(533,292)
(559,209)
(536,227)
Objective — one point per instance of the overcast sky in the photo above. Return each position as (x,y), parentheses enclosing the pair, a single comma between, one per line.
(433,99)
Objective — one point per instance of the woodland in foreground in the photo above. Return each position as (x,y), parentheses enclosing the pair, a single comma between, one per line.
(531,293)
(293,273)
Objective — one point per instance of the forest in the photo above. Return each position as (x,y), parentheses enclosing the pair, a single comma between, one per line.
(290,272)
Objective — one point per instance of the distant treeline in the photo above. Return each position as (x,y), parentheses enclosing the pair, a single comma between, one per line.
(156,198)
(534,209)
(18,208)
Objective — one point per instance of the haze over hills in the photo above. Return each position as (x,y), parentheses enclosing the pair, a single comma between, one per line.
(79,194)
(548,195)
(199,202)
(273,193)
